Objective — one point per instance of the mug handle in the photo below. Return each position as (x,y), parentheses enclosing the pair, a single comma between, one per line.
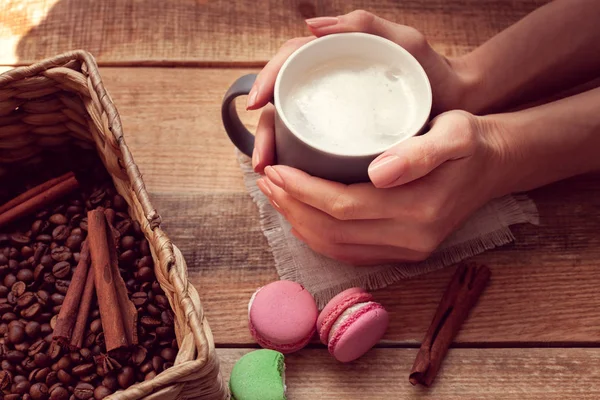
(237,132)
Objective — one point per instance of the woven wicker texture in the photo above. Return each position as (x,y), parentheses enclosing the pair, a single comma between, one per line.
(62,100)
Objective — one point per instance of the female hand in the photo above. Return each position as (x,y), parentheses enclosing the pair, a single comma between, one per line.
(434,182)
(448,77)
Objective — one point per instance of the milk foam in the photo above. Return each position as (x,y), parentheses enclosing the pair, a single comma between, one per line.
(352,106)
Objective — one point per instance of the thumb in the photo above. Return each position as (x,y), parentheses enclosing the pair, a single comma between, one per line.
(451,138)
(362,21)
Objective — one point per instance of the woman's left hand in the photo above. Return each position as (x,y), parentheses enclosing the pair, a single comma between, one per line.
(421,191)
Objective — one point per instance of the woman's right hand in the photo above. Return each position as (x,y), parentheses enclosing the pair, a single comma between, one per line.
(448,77)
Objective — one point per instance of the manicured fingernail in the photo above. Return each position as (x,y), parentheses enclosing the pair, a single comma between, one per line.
(262,185)
(386,170)
(251,102)
(255,158)
(274,176)
(321,22)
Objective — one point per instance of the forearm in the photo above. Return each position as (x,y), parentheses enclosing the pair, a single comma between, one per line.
(551,49)
(548,143)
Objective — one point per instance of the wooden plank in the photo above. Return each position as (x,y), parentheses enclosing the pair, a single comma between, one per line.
(543,286)
(543,290)
(483,374)
(152,32)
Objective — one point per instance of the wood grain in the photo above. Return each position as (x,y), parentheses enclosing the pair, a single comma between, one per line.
(543,286)
(483,374)
(204,32)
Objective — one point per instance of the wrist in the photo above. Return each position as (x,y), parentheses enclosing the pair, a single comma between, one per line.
(469,81)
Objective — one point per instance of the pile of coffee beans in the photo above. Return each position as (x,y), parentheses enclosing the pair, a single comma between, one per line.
(37,258)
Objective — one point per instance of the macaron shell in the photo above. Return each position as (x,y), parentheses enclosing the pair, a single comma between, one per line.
(283,313)
(283,348)
(258,375)
(336,307)
(359,333)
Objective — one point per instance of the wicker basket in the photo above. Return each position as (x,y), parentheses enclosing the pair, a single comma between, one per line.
(62,101)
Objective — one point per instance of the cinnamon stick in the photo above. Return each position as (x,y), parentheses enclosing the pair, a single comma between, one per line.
(34,192)
(460,297)
(84,310)
(117,312)
(37,201)
(68,312)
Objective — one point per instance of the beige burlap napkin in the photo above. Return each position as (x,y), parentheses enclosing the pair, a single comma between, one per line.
(324,278)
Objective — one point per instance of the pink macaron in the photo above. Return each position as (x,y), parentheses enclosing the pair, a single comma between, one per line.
(351,324)
(282,316)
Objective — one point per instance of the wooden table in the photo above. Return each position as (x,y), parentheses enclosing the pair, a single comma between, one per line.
(167,63)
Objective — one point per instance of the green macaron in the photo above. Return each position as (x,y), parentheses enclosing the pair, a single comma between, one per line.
(258,375)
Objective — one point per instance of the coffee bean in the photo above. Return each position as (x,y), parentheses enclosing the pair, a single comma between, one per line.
(96,325)
(46,261)
(58,219)
(49,280)
(72,210)
(64,376)
(13,396)
(25,275)
(14,356)
(145,247)
(149,322)
(119,203)
(21,387)
(84,391)
(26,252)
(28,365)
(26,299)
(75,357)
(97,197)
(146,367)
(16,334)
(6,365)
(61,253)
(111,382)
(126,377)
(167,318)
(32,311)
(54,351)
(64,363)
(84,369)
(19,240)
(127,257)
(41,375)
(101,392)
(138,356)
(39,391)
(127,242)
(13,253)
(5,379)
(5,308)
(38,273)
(165,332)
(74,242)
(59,393)
(23,346)
(3,291)
(139,299)
(33,329)
(157,363)
(3,331)
(162,301)
(83,225)
(46,329)
(38,227)
(61,269)
(42,360)
(150,375)
(168,354)
(85,354)
(153,310)
(89,339)
(89,378)
(44,238)
(9,280)
(61,233)
(39,346)
(62,286)
(52,378)
(100,339)
(7,317)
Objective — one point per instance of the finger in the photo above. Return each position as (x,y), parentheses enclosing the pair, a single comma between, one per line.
(319,227)
(343,202)
(450,138)
(362,255)
(362,21)
(262,90)
(264,141)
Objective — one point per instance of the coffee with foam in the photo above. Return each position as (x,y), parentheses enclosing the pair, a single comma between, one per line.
(352,106)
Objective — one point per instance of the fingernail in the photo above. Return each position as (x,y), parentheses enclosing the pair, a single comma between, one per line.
(386,170)
(277,206)
(255,158)
(251,102)
(321,22)
(274,176)
(262,185)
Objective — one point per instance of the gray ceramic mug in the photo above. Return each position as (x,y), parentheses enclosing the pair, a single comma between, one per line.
(294,149)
